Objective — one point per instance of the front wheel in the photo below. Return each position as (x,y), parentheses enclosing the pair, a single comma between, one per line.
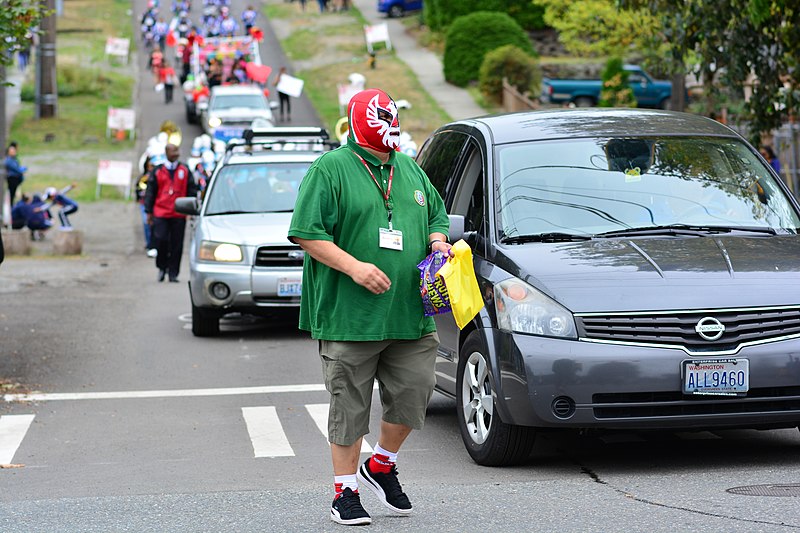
(666,103)
(396,11)
(489,441)
(204,323)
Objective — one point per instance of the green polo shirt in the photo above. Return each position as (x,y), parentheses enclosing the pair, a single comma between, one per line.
(338,201)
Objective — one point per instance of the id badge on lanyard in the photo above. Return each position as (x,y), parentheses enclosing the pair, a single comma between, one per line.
(388,238)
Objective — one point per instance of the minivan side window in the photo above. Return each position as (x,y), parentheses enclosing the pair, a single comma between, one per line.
(469,196)
(439,158)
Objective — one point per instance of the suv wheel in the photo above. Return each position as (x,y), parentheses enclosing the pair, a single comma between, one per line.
(396,11)
(204,323)
(489,441)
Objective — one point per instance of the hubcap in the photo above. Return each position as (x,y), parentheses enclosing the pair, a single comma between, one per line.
(476,398)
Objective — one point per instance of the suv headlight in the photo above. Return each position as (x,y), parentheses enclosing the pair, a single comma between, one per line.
(523,309)
(220,251)
(214,122)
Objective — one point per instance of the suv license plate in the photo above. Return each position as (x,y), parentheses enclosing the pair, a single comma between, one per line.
(720,377)
(289,287)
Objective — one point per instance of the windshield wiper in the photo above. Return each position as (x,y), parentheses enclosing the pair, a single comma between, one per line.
(545,237)
(684,229)
(232,212)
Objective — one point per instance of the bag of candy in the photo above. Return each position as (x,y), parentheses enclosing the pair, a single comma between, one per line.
(435,299)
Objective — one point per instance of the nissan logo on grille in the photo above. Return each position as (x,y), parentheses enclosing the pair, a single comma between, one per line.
(296,254)
(709,328)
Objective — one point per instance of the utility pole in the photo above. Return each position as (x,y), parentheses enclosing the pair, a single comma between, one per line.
(3,129)
(46,87)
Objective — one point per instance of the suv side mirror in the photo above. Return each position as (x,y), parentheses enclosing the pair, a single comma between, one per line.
(456,227)
(187,205)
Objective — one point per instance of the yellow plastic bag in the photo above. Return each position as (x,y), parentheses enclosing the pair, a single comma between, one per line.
(459,278)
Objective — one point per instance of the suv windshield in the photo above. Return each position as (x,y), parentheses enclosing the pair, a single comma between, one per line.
(249,101)
(593,186)
(255,188)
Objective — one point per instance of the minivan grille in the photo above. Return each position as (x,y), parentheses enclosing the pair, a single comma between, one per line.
(679,328)
(279,256)
(665,404)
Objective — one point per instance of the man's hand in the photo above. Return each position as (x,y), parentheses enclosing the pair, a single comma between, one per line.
(443,247)
(371,278)
(149,219)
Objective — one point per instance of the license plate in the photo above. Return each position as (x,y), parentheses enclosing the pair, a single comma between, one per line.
(289,287)
(720,377)
(227,133)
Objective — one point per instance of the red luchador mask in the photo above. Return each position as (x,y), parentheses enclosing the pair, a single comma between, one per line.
(373,120)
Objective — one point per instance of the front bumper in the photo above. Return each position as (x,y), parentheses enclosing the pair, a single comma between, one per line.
(616,387)
(252,289)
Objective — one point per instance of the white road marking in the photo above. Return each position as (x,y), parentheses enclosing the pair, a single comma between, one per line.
(12,430)
(266,432)
(185,393)
(319,413)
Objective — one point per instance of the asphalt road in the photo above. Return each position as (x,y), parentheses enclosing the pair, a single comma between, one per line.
(143,428)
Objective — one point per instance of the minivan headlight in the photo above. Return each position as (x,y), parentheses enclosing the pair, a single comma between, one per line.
(220,251)
(523,309)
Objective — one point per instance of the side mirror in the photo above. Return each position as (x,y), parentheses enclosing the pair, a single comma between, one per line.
(273,104)
(187,205)
(456,227)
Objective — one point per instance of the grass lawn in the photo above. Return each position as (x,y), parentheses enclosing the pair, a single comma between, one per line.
(88,84)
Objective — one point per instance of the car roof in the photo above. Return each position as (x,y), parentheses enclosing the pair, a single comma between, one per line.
(235,89)
(595,122)
(282,156)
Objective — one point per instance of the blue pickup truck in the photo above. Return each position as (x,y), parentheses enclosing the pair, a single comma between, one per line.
(398,8)
(586,93)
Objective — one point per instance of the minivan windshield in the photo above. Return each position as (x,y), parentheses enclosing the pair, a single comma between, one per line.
(611,185)
(255,188)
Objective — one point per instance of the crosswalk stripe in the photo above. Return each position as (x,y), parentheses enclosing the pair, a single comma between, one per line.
(319,413)
(12,430)
(266,432)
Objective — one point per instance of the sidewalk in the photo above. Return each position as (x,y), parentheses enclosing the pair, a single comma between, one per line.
(456,101)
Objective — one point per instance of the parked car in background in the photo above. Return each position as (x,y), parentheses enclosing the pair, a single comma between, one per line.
(233,108)
(586,93)
(240,260)
(639,271)
(398,8)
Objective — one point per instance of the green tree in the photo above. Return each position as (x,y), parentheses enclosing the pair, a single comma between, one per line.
(616,92)
(17,18)
(733,43)
(598,27)
(519,68)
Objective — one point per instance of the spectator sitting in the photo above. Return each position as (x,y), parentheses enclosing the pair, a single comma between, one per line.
(20,212)
(68,205)
(39,219)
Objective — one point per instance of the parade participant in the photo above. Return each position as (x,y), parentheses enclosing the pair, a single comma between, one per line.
(15,173)
(366,215)
(249,16)
(60,198)
(167,182)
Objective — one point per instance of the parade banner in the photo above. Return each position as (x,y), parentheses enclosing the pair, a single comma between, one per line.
(118,47)
(290,85)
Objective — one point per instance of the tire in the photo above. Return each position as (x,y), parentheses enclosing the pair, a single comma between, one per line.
(489,441)
(584,101)
(204,323)
(396,11)
(666,103)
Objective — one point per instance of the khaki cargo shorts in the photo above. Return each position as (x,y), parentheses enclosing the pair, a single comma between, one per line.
(405,373)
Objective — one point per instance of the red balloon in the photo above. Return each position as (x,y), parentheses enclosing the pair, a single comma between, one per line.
(258,73)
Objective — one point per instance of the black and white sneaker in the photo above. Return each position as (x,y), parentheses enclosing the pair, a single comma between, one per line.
(347,509)
(386,488)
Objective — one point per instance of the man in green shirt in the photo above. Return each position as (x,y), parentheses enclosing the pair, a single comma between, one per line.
(366,215)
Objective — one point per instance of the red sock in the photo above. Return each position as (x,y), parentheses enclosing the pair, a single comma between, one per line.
(380,464)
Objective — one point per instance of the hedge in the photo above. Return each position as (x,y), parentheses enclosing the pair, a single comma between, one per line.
(469,39)
(440,14)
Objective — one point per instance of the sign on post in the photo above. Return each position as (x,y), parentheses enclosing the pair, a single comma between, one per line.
(116,173)
(346,92)
(116,46)
(290,85)
(121,119)
(379,33)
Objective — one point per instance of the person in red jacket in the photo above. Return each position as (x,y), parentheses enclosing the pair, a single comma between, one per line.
(168,182)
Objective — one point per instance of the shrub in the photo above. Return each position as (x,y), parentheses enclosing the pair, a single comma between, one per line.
(73,80)
(439,14)
(520,69)
(616,92)
(471,36)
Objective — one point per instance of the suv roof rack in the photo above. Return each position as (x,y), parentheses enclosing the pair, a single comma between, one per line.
(266,138)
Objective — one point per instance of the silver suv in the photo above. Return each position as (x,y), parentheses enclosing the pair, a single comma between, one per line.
(240,260)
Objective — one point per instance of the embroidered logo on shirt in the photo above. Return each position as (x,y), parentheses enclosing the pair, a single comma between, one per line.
(419,197)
